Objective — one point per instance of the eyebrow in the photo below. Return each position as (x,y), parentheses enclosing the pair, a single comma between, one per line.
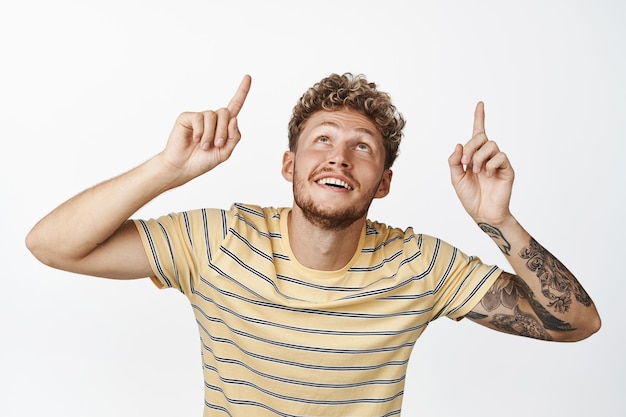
(336,125)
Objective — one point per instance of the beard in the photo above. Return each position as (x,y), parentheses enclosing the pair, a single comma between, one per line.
(327,218)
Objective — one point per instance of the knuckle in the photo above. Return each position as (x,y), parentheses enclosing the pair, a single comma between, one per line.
(492,146)
(186,115)
(223,112)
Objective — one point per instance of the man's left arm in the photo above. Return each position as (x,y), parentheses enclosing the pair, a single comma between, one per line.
(543,299)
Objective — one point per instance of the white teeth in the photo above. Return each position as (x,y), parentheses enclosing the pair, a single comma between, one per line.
(334,181)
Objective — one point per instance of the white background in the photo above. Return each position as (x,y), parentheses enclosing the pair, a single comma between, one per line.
(91,89)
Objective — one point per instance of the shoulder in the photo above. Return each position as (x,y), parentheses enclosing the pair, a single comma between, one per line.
(250,218)
(405,236)
(384,239)
(414,245)
(254,213)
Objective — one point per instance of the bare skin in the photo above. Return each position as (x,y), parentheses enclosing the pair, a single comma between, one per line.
(337,170)
(111,247)
(537,300)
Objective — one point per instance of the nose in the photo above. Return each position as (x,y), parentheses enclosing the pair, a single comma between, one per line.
(340,156)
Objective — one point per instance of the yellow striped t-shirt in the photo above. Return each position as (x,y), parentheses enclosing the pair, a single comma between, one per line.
(280,339)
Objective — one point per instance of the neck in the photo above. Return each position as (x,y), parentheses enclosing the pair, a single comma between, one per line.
(319,248)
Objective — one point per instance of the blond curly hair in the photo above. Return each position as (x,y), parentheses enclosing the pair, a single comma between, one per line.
(355,92)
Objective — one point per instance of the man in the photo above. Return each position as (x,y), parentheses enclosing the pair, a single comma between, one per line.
(313,310)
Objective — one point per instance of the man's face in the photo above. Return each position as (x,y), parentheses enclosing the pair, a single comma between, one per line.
(337,168)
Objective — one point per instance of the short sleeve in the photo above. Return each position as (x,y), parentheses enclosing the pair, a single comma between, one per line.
(462,280)
(179,246)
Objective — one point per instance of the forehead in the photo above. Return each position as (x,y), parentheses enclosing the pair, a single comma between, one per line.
(344,119)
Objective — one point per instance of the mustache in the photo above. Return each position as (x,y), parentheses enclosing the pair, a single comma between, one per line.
(325,170)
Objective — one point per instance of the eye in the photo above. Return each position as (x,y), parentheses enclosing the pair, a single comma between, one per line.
(363,147)
(322,139)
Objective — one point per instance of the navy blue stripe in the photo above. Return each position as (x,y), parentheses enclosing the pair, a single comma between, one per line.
(224,223)
(304,310)
(259,274)
(378,266)
(476,289)
(299,400)
(250,246)
(299,382)
(305,348)
(272,359)
(155,254)
(307,329)
(205,234)
(171,253)
(381,245)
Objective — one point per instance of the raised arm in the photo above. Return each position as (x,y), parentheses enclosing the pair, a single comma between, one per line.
(543,299)
(90,233)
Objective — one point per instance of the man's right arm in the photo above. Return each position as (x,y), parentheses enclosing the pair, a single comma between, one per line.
(90,233)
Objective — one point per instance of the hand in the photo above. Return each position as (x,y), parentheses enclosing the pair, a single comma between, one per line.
(201,141)
(482,175)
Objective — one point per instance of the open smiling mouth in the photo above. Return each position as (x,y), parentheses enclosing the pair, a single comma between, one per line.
(335,183)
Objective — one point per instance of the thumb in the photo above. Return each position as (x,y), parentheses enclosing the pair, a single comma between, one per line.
(456,167)
(233,137)
(233,129)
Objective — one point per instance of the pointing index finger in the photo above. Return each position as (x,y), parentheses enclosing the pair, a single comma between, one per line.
(479,119)
(236,103)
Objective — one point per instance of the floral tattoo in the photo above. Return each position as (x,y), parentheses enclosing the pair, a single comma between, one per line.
(507,292)
(558,285)
(557,282)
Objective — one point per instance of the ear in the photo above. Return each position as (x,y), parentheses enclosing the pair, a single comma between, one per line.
(385,184)
(288,161)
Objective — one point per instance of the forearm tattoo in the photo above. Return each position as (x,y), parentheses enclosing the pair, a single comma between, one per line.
(506,292)
(557,282)
(497,236)
(557,285)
